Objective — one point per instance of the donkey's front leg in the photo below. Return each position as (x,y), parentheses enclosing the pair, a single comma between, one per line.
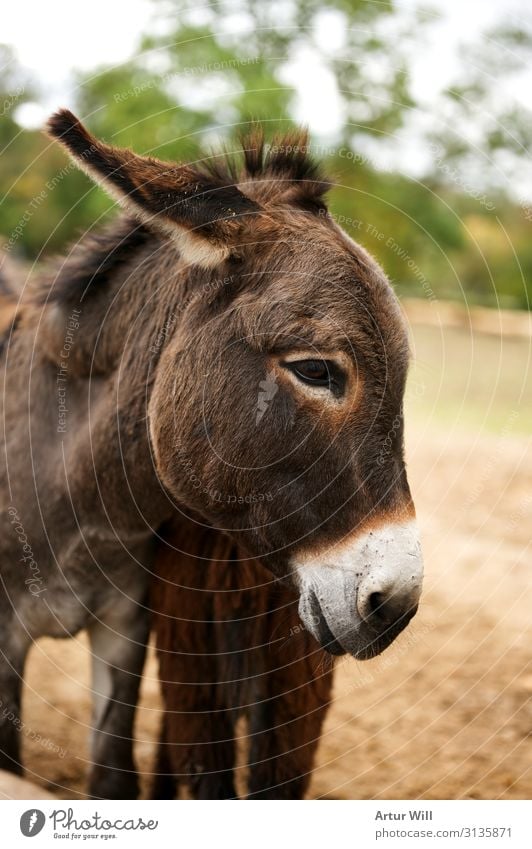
(14,644)
(118,645)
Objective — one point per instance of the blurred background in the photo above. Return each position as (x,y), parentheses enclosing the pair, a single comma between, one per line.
(422,113)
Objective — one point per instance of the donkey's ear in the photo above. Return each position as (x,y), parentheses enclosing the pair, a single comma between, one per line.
(201,212)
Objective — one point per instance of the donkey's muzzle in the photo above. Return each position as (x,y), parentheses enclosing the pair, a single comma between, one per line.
(363,593)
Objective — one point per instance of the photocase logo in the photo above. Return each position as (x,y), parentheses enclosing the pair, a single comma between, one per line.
(32,822)
(268,390)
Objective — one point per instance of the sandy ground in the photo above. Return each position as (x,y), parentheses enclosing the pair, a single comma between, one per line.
(446,712)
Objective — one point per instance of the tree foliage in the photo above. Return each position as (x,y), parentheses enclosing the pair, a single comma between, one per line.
(200,76)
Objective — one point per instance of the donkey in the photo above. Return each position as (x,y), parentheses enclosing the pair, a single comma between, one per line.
(222,352)
(230,645)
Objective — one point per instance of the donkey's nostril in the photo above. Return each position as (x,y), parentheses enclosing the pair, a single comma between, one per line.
(375,603)
(387,604)
(381,608)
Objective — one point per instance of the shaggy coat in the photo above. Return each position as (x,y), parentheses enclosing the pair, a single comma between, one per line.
(236,648)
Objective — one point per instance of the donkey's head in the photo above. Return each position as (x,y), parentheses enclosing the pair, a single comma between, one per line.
(276,407)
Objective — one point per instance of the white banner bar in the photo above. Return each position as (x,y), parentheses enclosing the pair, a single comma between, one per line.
(268,825)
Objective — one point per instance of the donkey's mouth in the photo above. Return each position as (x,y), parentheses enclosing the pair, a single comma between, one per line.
(359,638)
(315,621)
(323,633)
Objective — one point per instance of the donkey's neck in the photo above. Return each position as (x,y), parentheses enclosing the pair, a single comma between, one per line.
(102,338)
(113,299)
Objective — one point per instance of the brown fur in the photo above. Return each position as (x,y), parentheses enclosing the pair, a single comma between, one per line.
(230,644)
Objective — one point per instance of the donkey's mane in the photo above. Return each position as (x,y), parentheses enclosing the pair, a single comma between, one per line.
(91,262)
(281,166)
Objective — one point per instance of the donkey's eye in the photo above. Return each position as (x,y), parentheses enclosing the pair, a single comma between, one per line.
(318,373)
(313,371)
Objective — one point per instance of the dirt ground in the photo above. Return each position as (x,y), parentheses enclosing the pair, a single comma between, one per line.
(446,712)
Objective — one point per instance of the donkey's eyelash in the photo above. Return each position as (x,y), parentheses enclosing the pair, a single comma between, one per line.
(318,373)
